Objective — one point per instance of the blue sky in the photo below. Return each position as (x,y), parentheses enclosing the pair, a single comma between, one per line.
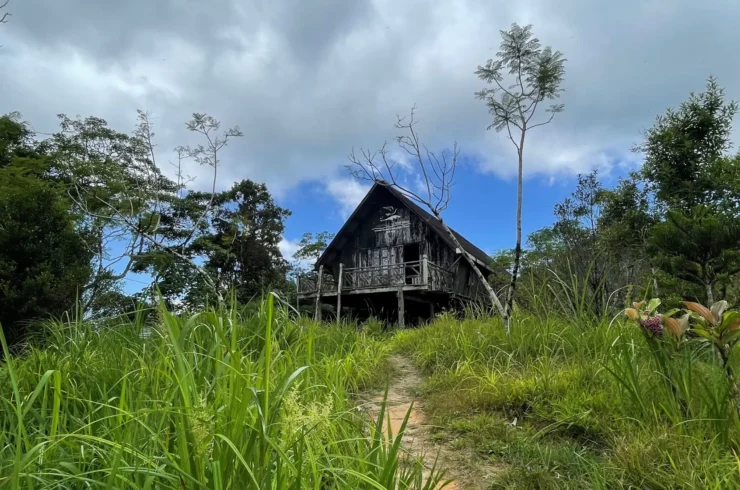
(483,207)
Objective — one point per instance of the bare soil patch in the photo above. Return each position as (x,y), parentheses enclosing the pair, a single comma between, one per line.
(464,468)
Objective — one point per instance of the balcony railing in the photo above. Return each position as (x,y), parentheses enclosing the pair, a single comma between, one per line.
(309,283)
(413,273)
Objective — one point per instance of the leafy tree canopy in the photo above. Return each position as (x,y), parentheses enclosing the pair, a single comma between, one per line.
(44,261)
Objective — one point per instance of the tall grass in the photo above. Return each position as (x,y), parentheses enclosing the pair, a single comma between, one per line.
(223,399)
(570,404)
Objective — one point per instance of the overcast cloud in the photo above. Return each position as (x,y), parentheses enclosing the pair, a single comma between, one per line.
(308,80)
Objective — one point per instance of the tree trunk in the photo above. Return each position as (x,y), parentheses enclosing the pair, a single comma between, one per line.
(656,291)
(518,248)
(491,293)
(710,295)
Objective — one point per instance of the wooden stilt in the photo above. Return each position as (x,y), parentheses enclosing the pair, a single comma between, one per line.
(317,315)
(401,313)
(339,293)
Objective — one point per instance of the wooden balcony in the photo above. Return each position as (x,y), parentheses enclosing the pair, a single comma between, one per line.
(421,275)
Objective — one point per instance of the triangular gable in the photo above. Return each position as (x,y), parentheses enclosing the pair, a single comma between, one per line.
(354,220)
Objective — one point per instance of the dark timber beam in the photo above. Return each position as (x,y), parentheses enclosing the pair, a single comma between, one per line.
(401,313)
(339,292)
(317,315)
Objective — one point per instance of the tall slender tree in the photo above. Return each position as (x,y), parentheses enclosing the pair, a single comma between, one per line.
(522,77)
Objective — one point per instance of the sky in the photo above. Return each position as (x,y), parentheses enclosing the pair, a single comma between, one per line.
(308,81)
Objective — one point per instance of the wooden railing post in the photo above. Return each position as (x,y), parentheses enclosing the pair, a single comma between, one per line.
(424,270)
(401,313)
(339,292)
(317,315)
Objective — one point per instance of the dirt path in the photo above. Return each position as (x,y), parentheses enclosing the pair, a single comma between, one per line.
(462,466)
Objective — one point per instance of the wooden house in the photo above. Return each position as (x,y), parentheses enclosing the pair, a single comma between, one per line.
(395,261)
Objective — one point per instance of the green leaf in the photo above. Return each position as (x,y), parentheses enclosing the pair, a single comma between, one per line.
(653,304)
(705,333)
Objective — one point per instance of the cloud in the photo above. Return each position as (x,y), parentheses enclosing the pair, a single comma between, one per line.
(347,192)
(308,81)
(288,248)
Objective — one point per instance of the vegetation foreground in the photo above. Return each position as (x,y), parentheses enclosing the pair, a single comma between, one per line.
(234,398)
(217,400)
(576,404)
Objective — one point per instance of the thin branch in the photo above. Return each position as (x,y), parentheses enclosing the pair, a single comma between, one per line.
(3,19)
(508,129)
(552,115)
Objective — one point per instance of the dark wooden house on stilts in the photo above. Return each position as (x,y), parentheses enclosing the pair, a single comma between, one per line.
(394,261)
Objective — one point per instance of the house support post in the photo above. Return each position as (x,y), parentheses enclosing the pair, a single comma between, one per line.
(339,292)
(401,323)
(297,294)
(317,315)
(425,270)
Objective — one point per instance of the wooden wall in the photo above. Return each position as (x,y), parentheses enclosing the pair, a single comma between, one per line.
(383,231)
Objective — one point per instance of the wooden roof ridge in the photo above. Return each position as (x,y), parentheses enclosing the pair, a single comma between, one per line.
(481,257)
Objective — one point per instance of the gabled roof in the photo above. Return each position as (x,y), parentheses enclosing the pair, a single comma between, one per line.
(481,257)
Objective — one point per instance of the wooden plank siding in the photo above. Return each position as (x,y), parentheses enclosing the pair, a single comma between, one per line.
(374,240)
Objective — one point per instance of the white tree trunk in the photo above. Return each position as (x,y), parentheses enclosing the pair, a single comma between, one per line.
(471,260)
(518,248)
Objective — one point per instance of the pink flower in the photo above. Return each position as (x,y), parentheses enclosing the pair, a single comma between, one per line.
(653,324)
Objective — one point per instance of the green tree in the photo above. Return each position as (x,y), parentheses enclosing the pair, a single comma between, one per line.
(536,75)
(311,247)
(44,260)
(501,263)
(242,249)
(116,185)
(685,152)
(236,242)
(626,218)
(700,247)
(696,185)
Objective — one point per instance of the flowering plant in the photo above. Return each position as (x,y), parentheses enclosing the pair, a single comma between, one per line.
(655,323)
(714,324)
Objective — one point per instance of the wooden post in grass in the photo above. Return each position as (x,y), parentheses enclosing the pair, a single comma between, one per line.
(317,315)
(339,292)
(401,322)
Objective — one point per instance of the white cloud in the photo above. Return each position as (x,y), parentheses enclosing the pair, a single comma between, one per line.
(288,248)
(347,192)
(306,82)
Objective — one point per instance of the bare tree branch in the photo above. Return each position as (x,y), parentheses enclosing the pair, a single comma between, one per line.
(206,125)
(437,172)
(4,18)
